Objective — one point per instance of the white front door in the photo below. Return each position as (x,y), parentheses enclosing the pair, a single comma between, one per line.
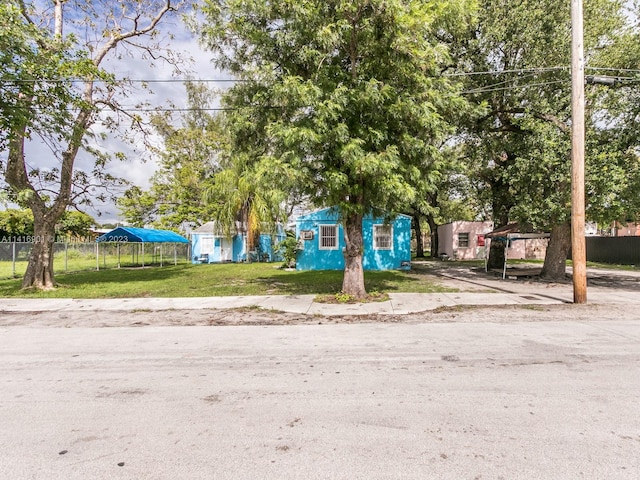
(226,250)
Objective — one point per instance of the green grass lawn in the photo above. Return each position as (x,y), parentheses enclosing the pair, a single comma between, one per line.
(82,257)
(187,280)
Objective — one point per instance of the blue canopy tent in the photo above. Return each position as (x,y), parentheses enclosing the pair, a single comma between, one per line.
(139,236)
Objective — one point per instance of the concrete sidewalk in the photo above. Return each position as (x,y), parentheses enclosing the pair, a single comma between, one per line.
(399,303)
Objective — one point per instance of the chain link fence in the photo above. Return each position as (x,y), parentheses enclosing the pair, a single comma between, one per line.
(79,256)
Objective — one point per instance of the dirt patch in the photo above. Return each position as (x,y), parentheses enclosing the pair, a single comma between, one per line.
(344,298)
(247,317)
(476,279)
(464,279)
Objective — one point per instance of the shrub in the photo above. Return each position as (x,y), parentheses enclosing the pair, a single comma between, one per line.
(289,249)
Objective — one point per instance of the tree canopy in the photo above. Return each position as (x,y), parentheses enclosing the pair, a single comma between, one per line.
(17,225)
(518,56)
(186,160)
(54,87)
(347,97)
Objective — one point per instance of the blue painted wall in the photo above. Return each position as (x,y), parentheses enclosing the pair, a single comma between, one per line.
(239,249)
(209,248)
(312,257)
(214,246)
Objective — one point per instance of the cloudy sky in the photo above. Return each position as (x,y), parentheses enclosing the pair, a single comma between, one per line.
(166,86)
(139,165)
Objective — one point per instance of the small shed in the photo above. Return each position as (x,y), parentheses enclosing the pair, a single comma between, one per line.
(210,245)
(463,240)
(387,246)
(511,234)
(139,237)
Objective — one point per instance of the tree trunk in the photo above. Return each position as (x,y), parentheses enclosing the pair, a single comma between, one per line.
(353,280)
(39,272)
(435,244)
(419,242)
(496,254)
(555,260)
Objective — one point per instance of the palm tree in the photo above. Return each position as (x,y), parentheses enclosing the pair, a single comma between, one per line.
(244,203)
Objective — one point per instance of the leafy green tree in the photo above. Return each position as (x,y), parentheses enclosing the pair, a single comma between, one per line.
(29,53)
(243,201)
(53,88)
(187,161)
(138,208)
(518,55)
(443,195)
(347,96)
(250,194)
(613,167)
(16,224)
(75,224)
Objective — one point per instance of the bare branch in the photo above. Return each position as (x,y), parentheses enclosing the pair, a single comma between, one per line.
(58,17)
(562,126)
(25,14)
(135,32)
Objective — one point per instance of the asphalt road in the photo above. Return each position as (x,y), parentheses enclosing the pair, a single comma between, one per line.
(516,400)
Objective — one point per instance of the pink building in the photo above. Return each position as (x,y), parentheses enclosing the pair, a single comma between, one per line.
(631,229)
(462,240)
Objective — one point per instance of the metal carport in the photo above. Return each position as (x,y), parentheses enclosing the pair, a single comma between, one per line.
(508,234)
(139,236)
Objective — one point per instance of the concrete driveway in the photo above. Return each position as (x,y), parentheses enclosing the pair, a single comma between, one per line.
(513,400)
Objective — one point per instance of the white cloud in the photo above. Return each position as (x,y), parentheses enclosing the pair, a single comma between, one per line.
(163,90)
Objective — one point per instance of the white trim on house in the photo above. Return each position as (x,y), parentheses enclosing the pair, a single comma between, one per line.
(326,239)
(382,236)
(207,244)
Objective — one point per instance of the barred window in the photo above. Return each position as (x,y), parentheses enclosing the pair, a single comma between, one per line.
(463,240)
(328,237)
(382,235)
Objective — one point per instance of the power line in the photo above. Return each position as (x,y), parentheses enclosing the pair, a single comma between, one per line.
(609,69)
(489,88)
(603,80)
(495,87)
(163,109)
(503,72)
(122,80)
(233,80)
(530,71)
(537,70)
(506,82)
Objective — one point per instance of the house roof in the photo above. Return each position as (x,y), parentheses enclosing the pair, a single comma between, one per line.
(209,227)
(141,235)
(468,222)
(512,231)
(212,228)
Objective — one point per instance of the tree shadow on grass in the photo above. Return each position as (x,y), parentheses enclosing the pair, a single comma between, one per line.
(186,280)
(330,282)
(76,283)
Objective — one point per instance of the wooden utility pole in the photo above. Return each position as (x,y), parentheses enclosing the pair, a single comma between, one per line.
(578,247)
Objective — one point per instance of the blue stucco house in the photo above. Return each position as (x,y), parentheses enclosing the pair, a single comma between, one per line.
(208,245)
(321,239)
